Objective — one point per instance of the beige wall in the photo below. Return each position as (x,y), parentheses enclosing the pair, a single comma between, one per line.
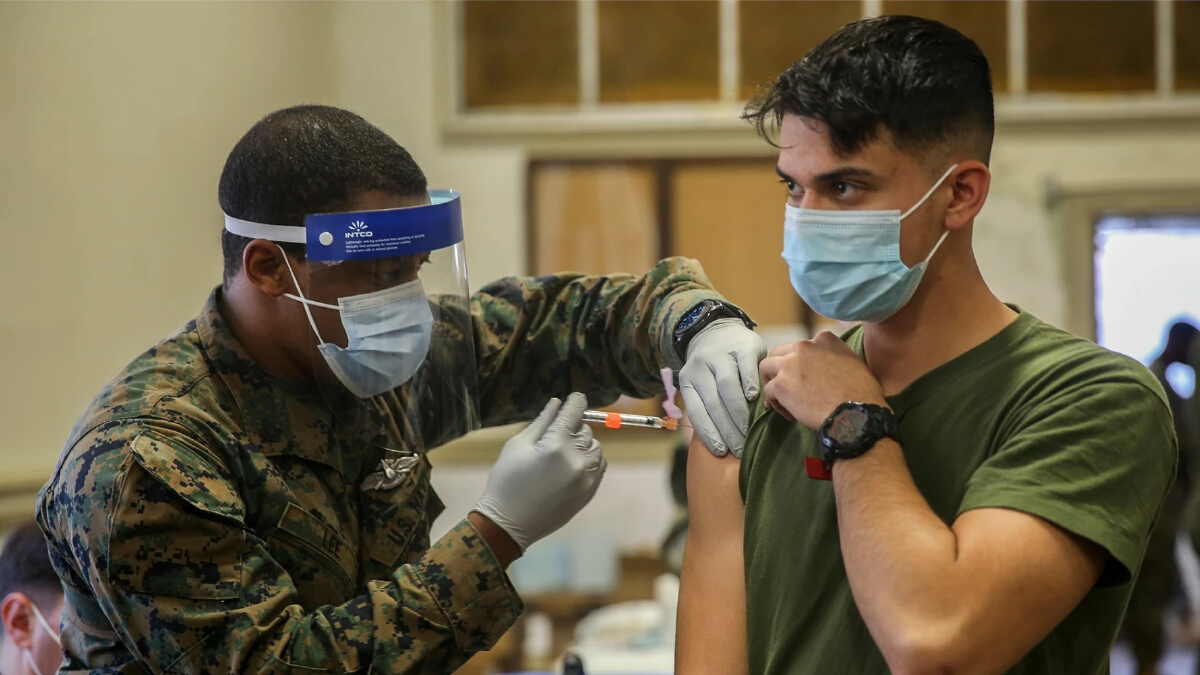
(1018,237)
(115,120)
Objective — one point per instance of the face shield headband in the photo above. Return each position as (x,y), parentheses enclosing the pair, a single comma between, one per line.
(361,235)
(388,331)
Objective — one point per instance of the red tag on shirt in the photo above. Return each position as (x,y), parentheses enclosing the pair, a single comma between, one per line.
(817,469)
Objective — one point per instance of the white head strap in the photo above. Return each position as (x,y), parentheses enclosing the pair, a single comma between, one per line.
(251,230)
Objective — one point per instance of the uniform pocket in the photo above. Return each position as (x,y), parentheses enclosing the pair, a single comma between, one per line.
(161,543)
(312,552)
(395,523)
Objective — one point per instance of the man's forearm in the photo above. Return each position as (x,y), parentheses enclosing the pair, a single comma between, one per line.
(900,557)
(602,335)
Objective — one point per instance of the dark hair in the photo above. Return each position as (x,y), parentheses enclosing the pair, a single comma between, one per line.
(304,160)
(25,567)
(1180,335)
(925,83)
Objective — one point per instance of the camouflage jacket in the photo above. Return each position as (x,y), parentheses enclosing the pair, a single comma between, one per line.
(208,517)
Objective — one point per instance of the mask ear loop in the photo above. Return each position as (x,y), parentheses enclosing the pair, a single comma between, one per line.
(916,206)
(303,300)
(32,664)
(45,624)
(49,631)
(936,185)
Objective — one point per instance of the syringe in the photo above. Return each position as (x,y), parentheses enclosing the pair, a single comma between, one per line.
(614,420)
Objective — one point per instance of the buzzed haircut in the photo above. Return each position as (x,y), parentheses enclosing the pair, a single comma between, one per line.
(304,160)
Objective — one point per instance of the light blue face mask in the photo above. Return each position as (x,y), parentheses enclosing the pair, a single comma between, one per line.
(846,264)
(388,334)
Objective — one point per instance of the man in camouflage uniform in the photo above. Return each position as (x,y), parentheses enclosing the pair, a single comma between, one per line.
(211,514)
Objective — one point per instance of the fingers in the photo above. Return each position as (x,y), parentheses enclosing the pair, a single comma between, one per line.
(747,365)
(593,457)
(771,396)
(732,396)
(583,438)
(570,416)
(710,397)
(770,368)
(785,349)
(827,338)
(538,427)
(701,422)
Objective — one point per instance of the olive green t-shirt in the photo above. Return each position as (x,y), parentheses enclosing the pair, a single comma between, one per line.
(1034,419)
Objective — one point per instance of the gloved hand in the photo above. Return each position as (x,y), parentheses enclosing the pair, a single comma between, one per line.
(545,474)
(718,382)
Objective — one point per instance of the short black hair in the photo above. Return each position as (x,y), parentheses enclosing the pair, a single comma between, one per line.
(923,82)
(308,159)
(25,567)
(1181,334)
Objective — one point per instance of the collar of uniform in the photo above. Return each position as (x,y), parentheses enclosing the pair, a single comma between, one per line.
(279,418)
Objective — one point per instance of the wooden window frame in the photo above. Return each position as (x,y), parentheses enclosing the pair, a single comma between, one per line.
(593,119)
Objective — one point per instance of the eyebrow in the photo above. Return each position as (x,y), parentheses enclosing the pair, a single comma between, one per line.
(833,176)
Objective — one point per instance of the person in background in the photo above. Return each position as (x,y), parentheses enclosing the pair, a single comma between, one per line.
(1159,575)
(31,600)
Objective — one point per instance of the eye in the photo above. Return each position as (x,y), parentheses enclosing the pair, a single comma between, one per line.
(402,272)
(387,276)
(842,188)
(791,186)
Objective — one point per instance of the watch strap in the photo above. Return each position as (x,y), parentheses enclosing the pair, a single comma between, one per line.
(706,313)
(881,423)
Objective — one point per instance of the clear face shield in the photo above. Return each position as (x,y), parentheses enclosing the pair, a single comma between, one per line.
(386,297)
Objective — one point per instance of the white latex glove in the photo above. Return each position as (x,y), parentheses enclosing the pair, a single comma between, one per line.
(718,382)
(545,474)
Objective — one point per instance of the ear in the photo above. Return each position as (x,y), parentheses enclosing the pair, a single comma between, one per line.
(970,183)
(264,267)
(16,612)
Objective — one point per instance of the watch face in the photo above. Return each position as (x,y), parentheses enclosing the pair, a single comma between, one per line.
(848,426)
(690,318)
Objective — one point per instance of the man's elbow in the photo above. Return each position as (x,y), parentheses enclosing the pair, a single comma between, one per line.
(928,649)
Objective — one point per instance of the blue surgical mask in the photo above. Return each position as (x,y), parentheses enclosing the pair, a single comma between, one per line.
(388,334)
(846,264)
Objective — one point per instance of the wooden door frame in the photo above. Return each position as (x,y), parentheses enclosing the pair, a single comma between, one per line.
(664,169)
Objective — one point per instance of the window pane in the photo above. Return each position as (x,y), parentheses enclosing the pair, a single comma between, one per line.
(984,21)
(774,34)
(597,218)
(658,50)
(711,200)
(1187,45)
(520,52)
(1091,45)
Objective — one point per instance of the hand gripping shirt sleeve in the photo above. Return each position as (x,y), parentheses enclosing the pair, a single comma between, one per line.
(187,588)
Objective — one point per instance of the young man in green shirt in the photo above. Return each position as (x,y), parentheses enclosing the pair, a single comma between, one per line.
(954,486)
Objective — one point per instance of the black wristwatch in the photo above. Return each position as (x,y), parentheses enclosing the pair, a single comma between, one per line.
(854,428)
(699,317)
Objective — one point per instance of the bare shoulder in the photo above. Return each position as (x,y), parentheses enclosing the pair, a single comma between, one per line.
(712,485)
